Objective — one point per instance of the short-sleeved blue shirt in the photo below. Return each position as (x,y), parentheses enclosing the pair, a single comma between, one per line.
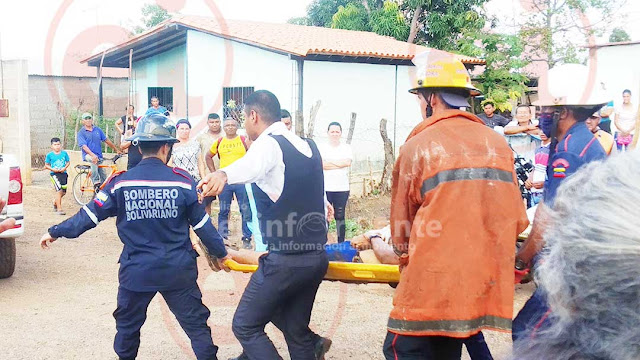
(578,147)
(57,161)
(93,139)
(607,118)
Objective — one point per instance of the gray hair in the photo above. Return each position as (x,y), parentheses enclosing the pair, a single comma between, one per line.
(591,266)
(230,118)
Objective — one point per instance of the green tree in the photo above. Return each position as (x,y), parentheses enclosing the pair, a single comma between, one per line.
(152,15)
(354,16)
(619,35)
(502,80)
(555,31)
(436,23)
(320,13)
(381,18)
(300,21)
(452,25)
(440,23)
(389,21)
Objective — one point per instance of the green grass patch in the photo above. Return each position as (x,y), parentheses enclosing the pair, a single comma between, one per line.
(352,228)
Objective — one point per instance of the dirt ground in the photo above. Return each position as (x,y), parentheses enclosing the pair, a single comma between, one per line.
(371,212)
(59,303)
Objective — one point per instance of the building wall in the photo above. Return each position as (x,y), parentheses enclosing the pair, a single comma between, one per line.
(14,130)
(408,106)
(167,69)
(214,63)
(369,91)
(54,98)
(617,67)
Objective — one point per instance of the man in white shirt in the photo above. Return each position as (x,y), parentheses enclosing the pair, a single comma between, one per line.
(288,186)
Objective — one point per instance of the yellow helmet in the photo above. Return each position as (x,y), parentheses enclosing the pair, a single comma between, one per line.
(440,70)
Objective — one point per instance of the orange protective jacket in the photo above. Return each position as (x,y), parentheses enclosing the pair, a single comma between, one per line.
(456,211)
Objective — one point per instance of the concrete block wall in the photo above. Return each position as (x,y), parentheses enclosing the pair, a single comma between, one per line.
(14,130)
(52,98)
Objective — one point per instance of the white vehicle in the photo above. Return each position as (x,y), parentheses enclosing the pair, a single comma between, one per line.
(11,191)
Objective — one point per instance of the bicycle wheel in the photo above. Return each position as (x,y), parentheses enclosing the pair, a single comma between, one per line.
(83,190)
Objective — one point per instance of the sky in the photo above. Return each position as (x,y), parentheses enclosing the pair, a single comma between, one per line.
(54,35)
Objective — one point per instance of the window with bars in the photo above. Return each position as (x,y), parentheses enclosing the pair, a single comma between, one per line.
(233,101)
(164,94)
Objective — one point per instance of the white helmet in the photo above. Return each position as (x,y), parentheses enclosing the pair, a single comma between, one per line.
(571,85)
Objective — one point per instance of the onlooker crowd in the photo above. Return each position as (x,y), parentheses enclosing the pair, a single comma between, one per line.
(217,147)
(528,141)
(587,267)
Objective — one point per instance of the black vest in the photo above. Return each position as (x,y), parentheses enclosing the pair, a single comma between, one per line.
(296,222)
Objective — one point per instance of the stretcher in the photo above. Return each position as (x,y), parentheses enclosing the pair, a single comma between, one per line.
(343,271)
(531,213)
(525,234)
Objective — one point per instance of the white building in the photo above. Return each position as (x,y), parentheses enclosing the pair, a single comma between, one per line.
(196,64)
(617,66)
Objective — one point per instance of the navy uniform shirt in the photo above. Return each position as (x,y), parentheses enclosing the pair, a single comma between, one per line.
(578,147)
(154,206)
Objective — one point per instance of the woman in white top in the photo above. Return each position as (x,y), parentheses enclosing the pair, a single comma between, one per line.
(186,153)
(625,121)
(336,160)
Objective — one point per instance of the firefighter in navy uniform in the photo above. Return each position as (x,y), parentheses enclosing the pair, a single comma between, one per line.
(568,102)
(154,205)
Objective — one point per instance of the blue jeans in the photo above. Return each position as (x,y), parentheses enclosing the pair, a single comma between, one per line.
(98,175)
(622,148)
(536,197)
(225,198)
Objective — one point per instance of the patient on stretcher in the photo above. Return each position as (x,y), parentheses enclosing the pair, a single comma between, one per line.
(372,247)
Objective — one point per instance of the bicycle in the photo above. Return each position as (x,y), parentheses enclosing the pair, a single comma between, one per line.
(83,188)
